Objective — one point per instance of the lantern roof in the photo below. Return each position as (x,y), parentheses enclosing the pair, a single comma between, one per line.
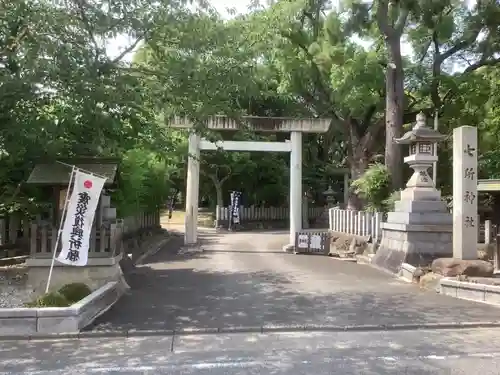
(329,191)
(420,133)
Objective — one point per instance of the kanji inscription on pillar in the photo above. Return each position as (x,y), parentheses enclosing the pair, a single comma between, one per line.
(465,222)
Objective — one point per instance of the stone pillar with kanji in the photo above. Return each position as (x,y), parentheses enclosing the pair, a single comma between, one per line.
(419,229)
(465,193)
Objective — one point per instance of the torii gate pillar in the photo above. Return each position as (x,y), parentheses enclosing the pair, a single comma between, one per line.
(192,190)
(295,185)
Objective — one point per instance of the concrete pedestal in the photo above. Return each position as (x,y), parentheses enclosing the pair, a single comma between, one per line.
(95,274)
(420,229)
(417,232)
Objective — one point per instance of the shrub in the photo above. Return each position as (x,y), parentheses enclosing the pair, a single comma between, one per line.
(391,200)
(51,299)
(144,182)
(74,292)
(374,187)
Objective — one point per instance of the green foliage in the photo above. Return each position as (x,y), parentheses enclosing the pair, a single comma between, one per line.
(74,292)
(144,182)
(373,187)
(51,299)
(63,94)
(388,204)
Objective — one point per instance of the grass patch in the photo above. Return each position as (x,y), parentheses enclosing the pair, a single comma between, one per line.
(64,297)
(75,292)
(51,299)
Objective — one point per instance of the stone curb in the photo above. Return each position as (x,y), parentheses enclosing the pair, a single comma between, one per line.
(407,272)
(352,260)
(55,321)
(152,251)
(255,329)
(364,259)
(484,293)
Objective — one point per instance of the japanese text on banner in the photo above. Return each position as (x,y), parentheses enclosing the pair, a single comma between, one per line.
(235,206)
(79,219)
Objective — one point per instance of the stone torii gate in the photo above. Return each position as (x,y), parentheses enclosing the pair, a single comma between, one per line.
(259,124)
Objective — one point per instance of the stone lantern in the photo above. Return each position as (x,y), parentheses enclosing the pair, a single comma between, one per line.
(329,196)
(421,141)
(420,228)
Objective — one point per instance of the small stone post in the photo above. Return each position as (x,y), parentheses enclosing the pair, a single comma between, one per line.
(465,223)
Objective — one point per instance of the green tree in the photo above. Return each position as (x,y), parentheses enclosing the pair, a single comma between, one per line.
(61,94)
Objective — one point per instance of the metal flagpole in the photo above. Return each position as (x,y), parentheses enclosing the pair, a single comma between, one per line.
(61,223)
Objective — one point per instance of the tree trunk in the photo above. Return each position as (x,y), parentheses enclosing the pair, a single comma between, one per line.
(360,153)
(394,112)
(219,194)
(358,163)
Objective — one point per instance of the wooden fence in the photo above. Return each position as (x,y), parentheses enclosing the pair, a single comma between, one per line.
(487,232)
(362,223)
(140,222)
(105,240)
(264,213)
(13,228)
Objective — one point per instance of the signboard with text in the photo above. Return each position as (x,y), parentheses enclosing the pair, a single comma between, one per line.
(312,242)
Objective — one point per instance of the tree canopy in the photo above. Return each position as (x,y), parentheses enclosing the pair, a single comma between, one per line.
(62,93)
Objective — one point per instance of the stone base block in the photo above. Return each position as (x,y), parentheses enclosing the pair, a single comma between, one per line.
(420,194)
(96,274)
(438,218)
(417,245)
(191,248)
(420,206)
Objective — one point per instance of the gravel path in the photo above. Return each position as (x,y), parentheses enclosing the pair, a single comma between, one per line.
(242,279)
(12,290)
(12,296)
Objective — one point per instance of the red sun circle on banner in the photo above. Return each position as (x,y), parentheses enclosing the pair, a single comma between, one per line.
(87,184)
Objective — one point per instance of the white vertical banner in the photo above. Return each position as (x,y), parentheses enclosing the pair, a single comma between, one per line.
(236,199)
(79,218)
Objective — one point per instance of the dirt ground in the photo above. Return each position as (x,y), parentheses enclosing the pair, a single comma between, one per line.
(205,219)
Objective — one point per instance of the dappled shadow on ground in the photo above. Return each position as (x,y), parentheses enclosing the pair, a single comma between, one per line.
(244,251)
(182,297)
(331,353)
(214,289)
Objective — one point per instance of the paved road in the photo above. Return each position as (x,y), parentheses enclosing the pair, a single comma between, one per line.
(462,352)
(243,279)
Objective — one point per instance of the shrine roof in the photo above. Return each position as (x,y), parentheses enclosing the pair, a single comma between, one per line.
(260,124)
(53,173)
